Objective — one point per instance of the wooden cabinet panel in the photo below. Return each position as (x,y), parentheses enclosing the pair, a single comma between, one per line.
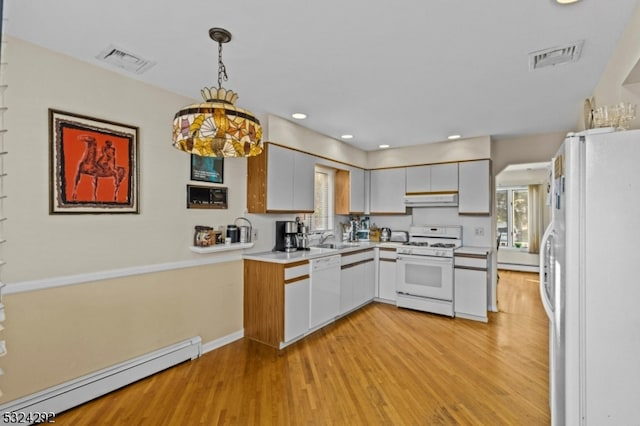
(267,311)
(349,191)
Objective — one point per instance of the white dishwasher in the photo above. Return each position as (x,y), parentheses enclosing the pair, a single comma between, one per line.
(324,303)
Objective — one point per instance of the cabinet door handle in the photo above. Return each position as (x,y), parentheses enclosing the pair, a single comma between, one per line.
(471,268)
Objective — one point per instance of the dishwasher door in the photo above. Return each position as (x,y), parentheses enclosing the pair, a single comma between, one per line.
(324,303)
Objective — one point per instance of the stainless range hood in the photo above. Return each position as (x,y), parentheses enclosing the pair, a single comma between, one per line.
(430,200)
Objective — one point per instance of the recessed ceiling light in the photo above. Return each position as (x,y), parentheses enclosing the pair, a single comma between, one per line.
(347,136)
(567,1)
(383,146)
(299,116)
(452,137)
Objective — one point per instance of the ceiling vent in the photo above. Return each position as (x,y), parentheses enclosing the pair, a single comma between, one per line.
(555,55)
(125,60)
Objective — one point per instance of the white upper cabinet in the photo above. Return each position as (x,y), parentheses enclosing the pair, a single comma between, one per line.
(432,178)
(290,180)
(444,177)
(475,187)
(303,181)
(387,188)
(418,179)
(279,178)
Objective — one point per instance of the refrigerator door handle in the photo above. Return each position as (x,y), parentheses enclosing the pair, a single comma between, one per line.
(545,269)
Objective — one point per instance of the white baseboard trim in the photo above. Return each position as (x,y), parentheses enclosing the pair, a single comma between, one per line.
(518,267)
(78,391)
(225,340)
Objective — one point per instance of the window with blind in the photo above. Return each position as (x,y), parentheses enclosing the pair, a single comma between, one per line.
(323,199)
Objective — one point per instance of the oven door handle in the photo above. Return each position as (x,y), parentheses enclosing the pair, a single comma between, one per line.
(424,259)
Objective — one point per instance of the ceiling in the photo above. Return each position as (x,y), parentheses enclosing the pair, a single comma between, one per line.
(398,73)
(523,174)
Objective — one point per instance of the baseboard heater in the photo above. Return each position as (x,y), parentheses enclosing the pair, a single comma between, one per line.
(78,391)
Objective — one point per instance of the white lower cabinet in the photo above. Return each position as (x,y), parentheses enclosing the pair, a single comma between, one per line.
(471,283)
(357,280)
(348,278)
(387,275)
(369,281)
(296,309)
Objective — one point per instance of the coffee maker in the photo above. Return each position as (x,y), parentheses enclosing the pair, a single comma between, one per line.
(286,233)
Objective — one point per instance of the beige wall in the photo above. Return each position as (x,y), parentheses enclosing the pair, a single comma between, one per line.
(525,149)
(442,152)
(61,333)
(41,246)
(284,132)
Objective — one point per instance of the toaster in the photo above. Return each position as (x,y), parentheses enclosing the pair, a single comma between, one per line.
(399,236)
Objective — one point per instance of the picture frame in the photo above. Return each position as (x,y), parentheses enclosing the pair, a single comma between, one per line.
(93,165)
(207,169)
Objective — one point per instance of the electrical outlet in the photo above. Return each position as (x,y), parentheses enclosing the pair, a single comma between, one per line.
(480,232)
(254,235)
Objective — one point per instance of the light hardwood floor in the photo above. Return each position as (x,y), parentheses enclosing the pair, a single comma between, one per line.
(379,366)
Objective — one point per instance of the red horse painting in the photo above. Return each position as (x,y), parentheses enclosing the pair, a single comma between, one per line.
(94,166)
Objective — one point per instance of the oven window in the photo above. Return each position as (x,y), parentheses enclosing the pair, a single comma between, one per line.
(423,275)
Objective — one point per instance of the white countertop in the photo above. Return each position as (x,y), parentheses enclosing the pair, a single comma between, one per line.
(314,253)
(481,251)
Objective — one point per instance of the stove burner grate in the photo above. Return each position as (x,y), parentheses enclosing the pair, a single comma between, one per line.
(443,245)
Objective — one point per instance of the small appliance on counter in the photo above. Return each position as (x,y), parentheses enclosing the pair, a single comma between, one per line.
(244,231)
(286,236)
(399,237)
(233,233)
(385,234)
(303,236)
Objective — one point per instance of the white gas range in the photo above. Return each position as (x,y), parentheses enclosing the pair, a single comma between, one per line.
(424,268)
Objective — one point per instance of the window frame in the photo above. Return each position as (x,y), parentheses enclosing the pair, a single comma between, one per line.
(510,244)
(330,198)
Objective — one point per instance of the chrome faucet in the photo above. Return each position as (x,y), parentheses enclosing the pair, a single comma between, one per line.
(325,236)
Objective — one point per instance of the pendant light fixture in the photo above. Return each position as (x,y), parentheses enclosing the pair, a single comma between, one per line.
(217,128)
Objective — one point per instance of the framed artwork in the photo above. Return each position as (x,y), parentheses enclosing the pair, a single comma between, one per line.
(93,165)
(207,169)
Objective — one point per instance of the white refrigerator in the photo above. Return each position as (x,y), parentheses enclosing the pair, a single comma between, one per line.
(590,279)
